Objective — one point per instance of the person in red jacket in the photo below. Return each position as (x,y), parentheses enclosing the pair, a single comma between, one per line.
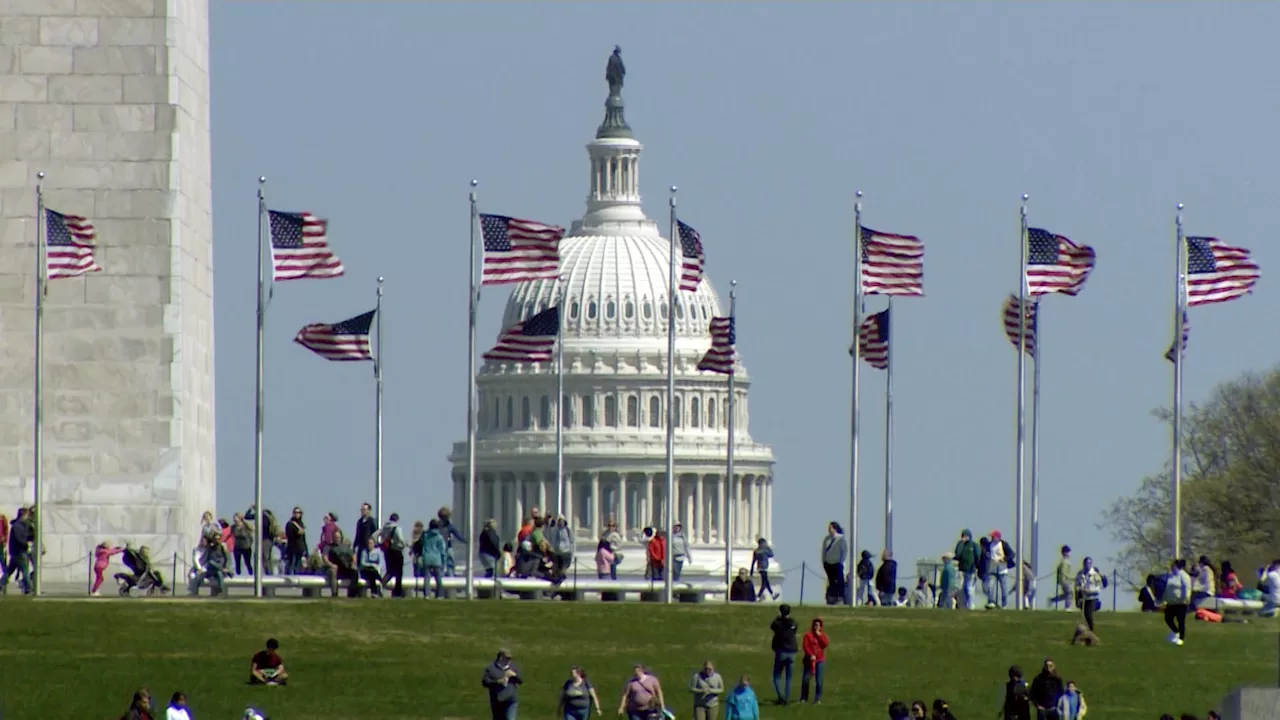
(657,552)
(814,647)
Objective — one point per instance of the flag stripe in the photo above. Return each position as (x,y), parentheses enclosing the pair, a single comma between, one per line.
(873,340)
(691,256)
(1009,317)
(1055,264)
(530,340)
(722,355)
(1217,272)
(1186,335)
(892,264)
(69,243)
(346,340)
(517,250)
(300,247)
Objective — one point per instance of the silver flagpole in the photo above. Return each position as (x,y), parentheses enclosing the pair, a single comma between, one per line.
(851,536)
(1022,394)
(1035,454)
(1179,306)
(472,298)
(37,441)
(888,433)
(563,290)
(730,488)
(672,291)
(377,376)
(259,513)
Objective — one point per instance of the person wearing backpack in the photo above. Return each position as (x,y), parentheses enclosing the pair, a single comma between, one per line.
(391,538)
(1000,558)
(1017,697)
(967,554)
(433,558)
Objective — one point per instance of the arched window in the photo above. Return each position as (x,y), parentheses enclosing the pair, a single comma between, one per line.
(588,410)
(566,411)
(678,407)
(693,312)
(511,411)
(655,412)
(526,414)
(648,310)
(528,310)
(711,413)
(662,310)
(610,411)
(591,309)
(695,408)
(610,309)
(629,311)
(573,310)
(544,412)
(679,310)
(633,411)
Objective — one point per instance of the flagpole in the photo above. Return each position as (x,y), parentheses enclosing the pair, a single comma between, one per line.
(1035,452)
(672,291)
(1022,396)
(851,536)
(377,376)
(37,441)
(259,512)
(730,488)
(560,398)
(1179,307)
(471,401)
(888,429)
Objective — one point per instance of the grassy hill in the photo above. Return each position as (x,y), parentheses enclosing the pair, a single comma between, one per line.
(422,659)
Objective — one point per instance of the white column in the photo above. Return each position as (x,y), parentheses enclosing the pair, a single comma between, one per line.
(542,494)
(519,499)
(568,503)
(760,514)
(622,504)
(595,504)
(495,501)
(768,506)
(701,509)
(753,509)
(649,514)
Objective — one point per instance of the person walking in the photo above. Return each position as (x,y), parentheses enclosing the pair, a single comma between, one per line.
(760,563)
(641,694)
(434,558)
(967,554)
(741,704)
(502,679)
(707,687)
(101,559)
(835,550)
(1177,600)
(578,697)
(679,549)
(814,645)
(1062,576)
(784,647)
(391,538)
(1089,586)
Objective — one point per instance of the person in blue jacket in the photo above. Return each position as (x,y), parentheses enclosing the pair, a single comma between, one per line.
(434,558)
(741,704)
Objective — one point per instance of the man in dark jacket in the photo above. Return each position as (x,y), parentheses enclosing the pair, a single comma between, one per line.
(967,556)
(1046,688)
(19,553)
(502,679)
(784,652)
(366,527)
(1017,703)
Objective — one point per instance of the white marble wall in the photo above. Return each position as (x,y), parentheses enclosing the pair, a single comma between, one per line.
(110,98)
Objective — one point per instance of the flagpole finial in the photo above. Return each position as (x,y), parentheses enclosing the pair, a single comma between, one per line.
(673,195)
(1180,205)
(474,182)
(40,175)
(262,179)
(1025,197)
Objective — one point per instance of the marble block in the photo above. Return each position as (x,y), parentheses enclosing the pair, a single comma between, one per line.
(1252,703)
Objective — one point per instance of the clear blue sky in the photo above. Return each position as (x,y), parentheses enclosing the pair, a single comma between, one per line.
(768,116)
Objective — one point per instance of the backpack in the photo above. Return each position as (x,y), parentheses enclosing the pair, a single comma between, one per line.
(396,540)
(1010,557)
(272,524)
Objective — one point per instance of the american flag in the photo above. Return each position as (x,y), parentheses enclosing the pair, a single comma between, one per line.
(300,247)
(516,250)
(691,257)
(892,264)
(529,340)
(873,340)
(1055,264)
(1009,315)
(347,340)
(1186,335)
(1217,272)
(69,243)
(721,356)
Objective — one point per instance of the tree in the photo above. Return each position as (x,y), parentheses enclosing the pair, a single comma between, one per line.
(1230,486)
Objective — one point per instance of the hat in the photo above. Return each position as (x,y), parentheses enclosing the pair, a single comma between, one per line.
(333,516)
(948,555)
(1066,549)
(966,531)
(504,653)
(995,534)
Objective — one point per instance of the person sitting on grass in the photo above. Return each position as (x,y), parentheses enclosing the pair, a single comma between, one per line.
(371,567)
(741,703)
(267,667)
(177,709)
(898,711)
(140,707)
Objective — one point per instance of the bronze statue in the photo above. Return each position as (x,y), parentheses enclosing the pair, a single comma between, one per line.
(615,72)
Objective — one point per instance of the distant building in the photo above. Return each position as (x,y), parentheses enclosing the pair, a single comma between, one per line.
(615,263)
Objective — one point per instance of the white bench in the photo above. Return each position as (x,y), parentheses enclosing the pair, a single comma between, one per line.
(570,589)
(1228,606)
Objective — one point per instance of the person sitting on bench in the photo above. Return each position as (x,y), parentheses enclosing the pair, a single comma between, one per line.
(267,667)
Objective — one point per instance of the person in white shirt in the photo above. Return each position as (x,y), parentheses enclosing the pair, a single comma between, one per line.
(1089,586)
(1271,584)
(177,708)
(1202,583)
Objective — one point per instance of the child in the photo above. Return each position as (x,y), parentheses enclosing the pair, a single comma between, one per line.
(1071,705)
(741,704)
(101,559)
(508,561)
(760,561)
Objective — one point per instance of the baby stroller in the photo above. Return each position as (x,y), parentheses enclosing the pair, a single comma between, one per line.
(143,579)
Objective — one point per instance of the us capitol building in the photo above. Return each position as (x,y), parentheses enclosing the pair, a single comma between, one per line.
(614,263)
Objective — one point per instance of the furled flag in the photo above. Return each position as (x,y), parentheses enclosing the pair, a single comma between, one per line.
(1055,264)
(892,264)
(300,247)
(1217,272)
(721,356)
(1009,315)
(691,257)
(516,250)
(1186,335)
(529,340)
(69,243)
(873,340)
(347,340)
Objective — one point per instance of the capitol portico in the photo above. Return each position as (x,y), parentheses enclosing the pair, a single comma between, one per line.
(614,300)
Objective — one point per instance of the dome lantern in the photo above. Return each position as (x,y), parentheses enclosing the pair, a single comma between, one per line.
(614,197)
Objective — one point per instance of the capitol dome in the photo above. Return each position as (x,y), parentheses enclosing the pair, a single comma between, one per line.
(614,300)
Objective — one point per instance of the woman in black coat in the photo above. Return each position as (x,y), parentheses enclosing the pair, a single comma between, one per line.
(887,579)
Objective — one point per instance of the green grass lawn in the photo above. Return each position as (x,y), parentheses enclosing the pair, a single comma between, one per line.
(390,659)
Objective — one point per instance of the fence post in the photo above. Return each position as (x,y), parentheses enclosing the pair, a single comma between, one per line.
(804,570)
(174,577)
(1115,590)
(89,580)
